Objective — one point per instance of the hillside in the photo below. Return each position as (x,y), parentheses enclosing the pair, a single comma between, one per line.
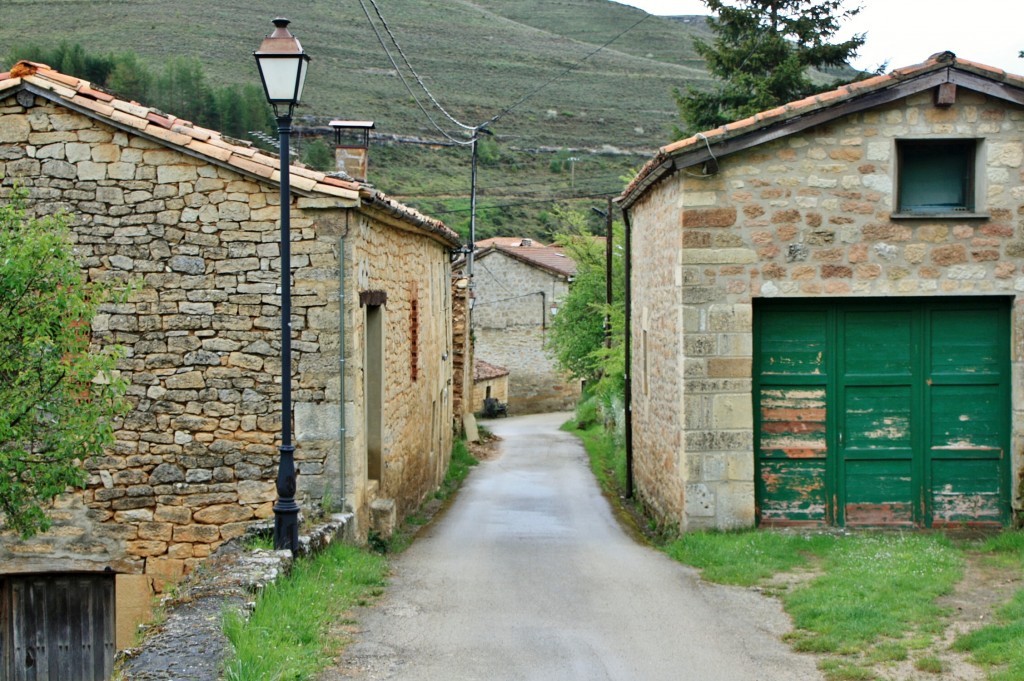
(477,56)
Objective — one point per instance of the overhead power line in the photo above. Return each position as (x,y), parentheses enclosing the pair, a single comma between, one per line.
(408,87)
(413,70)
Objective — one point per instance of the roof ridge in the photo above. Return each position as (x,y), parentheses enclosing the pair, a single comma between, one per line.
(211,144)
(815,102)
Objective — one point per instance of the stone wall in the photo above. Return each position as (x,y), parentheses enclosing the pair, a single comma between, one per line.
(195,460)
(804,216)
(418,409)
(510,319)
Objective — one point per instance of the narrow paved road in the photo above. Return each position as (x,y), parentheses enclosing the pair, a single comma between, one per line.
(529,576)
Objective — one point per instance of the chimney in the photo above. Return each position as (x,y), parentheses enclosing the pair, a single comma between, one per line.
(526,243)
(352,147)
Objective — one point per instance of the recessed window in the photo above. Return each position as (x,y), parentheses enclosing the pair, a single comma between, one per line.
(936,176)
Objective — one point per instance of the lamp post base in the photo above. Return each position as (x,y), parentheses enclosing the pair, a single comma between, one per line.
(286,511)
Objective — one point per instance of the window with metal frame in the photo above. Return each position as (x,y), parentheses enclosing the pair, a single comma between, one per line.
(936,177)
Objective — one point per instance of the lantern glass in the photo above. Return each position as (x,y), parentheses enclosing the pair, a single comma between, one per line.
(283,77)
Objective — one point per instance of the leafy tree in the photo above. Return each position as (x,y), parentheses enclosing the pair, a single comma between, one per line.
(761,55)
(577,335)
(57,394)
(317,154)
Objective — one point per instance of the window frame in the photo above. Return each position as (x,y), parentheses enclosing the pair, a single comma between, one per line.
(972,148)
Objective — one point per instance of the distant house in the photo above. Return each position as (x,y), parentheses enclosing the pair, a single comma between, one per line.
(517,285)
(193,218)
(826,309)
(489,383)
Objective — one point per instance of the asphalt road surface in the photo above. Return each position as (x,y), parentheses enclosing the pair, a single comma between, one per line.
(529,576)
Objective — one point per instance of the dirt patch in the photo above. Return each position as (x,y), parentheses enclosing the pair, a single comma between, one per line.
(488,449)
(984,588)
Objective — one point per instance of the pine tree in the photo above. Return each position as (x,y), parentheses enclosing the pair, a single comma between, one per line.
(761,57)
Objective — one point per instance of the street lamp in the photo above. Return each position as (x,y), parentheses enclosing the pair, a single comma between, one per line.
(282,63)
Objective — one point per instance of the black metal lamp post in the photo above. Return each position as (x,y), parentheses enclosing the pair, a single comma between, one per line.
(282,63)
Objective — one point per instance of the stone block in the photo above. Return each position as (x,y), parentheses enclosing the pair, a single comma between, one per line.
(383,517)
(204,534)
(133,606)
(146,548)
(699,501)
(317,421)
(221,514)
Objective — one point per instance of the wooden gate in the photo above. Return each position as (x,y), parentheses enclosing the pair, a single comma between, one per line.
(57,627)
(876,413)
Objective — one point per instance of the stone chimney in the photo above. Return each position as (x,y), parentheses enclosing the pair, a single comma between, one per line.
(352,147)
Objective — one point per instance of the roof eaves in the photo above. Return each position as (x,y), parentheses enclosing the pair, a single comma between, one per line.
(678,154)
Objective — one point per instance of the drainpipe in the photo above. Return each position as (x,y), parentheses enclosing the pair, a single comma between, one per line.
(627,348)
(341,359)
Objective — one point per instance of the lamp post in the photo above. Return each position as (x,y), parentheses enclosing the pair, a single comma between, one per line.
(282,64)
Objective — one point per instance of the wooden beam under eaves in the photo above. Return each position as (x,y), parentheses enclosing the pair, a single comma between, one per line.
(945,95)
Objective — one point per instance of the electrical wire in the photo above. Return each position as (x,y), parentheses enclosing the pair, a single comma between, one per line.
(475,129)
(408,87)
(567,71)
(413,70)
(530,203)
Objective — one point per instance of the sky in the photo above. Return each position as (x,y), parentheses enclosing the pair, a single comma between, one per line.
(907,32)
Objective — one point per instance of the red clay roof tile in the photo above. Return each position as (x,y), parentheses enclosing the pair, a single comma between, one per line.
(208,143)
(808,104)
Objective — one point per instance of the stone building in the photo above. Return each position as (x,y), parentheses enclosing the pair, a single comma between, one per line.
(489,383)
(192,218)
(517,284)
(827,309)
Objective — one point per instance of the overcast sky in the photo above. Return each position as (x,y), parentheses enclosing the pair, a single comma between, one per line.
(906,32)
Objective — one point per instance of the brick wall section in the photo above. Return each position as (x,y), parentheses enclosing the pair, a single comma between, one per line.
(195,459)
(804,216)
(508,325)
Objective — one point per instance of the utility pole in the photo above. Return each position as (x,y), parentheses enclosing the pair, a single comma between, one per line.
(608,275)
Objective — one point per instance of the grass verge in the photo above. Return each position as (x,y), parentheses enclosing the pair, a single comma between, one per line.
(288,637)
(461,463)
(999,647)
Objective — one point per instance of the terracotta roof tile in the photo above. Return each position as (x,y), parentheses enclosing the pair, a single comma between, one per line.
(208,143)
(485,371)
(88,103)
(804,106)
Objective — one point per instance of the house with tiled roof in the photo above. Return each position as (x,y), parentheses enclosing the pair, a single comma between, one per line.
(517,286)
(191,217)
(490,382)
(826,309)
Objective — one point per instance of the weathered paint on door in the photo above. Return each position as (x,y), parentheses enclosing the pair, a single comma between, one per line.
(882,413)
(57,627)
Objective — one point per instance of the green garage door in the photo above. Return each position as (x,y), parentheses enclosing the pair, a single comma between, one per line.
(890,412)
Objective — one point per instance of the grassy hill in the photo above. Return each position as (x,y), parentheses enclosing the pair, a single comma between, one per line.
(478,57)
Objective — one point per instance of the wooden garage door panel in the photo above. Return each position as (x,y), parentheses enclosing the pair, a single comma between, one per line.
(794,343)
(879,492)
(966,417)
(58,628)
(792,491)
(883,412)
(876,343)
(966,492)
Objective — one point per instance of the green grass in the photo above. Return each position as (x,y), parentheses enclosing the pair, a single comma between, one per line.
(875,587)
(1000,646)
(461,463)
(872,603)
(746,558)
(288,637)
